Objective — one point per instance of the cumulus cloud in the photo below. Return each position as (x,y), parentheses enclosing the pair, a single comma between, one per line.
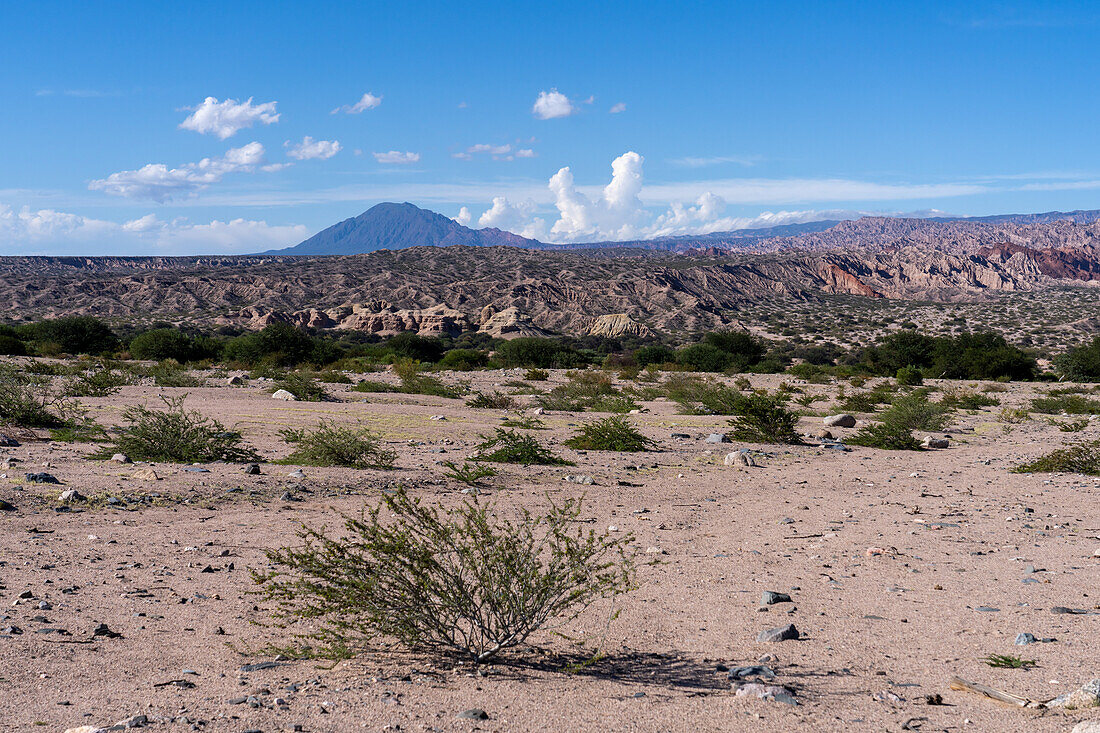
(464,217)
(518,218)
(617,108)
(158,182)
(27,231)
(614,215)
(551,105)
(367,101)
(396,157)
(310,149)
(227,118)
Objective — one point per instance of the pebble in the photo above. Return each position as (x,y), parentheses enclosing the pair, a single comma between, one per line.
(717,438)
(1024,638)
(584,480)
(783,633)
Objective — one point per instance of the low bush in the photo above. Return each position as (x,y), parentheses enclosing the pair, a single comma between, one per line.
(1069,404)
(468,473)
(866,401)
(967,400)
(1080,458)
(179,435)
(762,418)
(444,581)
(101,380)
(304,387)
(536,375)
(170,373)
(414,382)
(30,400)
(463,360)
(589,390)
(699,397)
(611,433)
(491,401)
(368,385)
(525,422)
(909,376)
(1080,364)
(541,353)
(886,436)
(508,446)
(330,444)
(329,376)
(70,335)
(915,411)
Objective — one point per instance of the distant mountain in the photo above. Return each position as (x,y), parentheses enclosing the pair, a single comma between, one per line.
(398,226)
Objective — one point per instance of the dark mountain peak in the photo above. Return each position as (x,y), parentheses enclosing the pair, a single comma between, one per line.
(397,226)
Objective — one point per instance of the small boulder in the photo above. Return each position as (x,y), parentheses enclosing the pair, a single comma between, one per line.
(1087,726)
(72,496)
(824,435)
(842,420)
(1024,638)
(120,458)
(146,474)
(253,469)
(717,438)
(739,458)
(783,633)
(931,442)
(234,381)
(473,714)
(40,478)
(282,394)
(1087,696)
(6,441)
(771,597)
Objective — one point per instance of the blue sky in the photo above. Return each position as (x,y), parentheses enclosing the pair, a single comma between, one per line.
(127,127)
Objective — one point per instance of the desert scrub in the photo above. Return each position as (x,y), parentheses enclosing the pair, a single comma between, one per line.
(30,400)
(100,380)
(460,581)
(170,373)
(304,387)
(468,473)
(613,433)
(330,444)
(536,375)
(508,446)
(330,376)
(491,401)
(915,411)
(868,401)
(885,436)
(177,434)
(1013,415)
(1069,404)
(369,385)
(1070,426)
(762,418)
(524,422)
(413,382)
(587,391)
(967,400)
(700,397)
(1079,458)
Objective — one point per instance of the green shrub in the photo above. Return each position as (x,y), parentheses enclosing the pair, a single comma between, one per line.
(491,401)
(368,385)
(12,346)
(278,343)
(332,445)
(762,418)
(70,335)
(744,348)
(164,343)
(413,382)
(468,473)
(100,380)
(1070,404)
(1080,458)
(179,435)
(304,387)
(508,446)
(1080,364)
(444,581)
(170,373)
(910,376)
(30,400)
(698,397)
(463,360)
(886,436)
(329,376)
(536,375)
(610,433)
(533,351)
(415,348)
(523,421)
(704,358)
(868,401)
(915,411)
(656,354)
(966,400)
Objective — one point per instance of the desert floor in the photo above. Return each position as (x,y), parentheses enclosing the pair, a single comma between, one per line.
(973,555)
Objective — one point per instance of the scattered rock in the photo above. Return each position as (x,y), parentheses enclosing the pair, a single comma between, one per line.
(824,435)
(6,441)
(6,507)
(120,458)
(473,714)
(252,469)
(766,692)
(783,633)
(1087,696)
(72,496)
(842,420)
(1087,726)
(717,438)
(40,478)
(104,630)
(756,670)
(739,458)
(930,442)
(1024,638)
(296,473)
(146,474)
(583,480)
(234,381)
(771,597)
(282,394)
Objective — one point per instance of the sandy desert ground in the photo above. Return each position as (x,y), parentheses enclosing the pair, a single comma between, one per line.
(973,555)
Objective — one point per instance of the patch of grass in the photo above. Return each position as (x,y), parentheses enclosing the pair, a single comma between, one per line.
(468,473)
(696,396)
(330,444)
(414,382)
(330,376)
(1008,661)
(304,387)
(179,435)
(85,431)
(966,400)
(762,418)
(868,401)
(460,581)
(1069,404)
(613,433)
(1071,426)
(885,436)
(587,391)
(524,422)
(1013,415)
(1080,458)
(536,375)
(491,401)
(508,446)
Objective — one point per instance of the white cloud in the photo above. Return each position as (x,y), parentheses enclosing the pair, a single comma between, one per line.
(367,101)
(310,149)
(464,217)
(615,214)
(396,157)
(47,231)
(745,160)
(158,182)
(496,152)
(518,218)
(617,108)
(551,105)
(226,118)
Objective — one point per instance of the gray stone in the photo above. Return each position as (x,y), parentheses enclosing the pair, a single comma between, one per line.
(252,469)
(72,496)
(1024,638)
(40,478)
(6,507)
(783,633)
(473,714)
(1087,696)
(756,670)
(842,420)
(6,441)
(282,394)
(937,443)
(717,438)
(771,597)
